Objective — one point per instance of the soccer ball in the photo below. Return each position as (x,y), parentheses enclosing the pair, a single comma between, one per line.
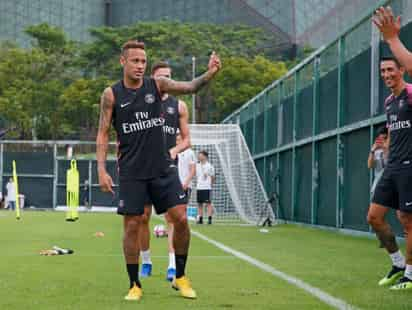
(160,231)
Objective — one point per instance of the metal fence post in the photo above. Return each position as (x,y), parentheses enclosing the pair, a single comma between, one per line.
(55,175)
(339,141)
(315,154)
(90,182)
(294,136)
(1,166)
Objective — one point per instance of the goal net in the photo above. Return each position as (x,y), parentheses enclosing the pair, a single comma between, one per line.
(237,194)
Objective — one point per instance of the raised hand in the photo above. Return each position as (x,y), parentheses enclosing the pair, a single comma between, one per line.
(214,63)
(387,24)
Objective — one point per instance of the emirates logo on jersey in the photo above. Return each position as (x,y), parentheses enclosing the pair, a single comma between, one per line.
(170,110)
(149,98)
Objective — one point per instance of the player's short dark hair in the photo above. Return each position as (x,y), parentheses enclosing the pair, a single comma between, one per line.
(391,58)
(131,44)
(160,65)
(205,153)
(383,130)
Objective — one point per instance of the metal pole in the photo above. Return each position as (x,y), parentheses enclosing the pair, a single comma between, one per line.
(194,95)
(55,175)
(1,167)
(90,184)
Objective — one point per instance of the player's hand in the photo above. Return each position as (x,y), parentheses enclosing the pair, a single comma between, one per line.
(214,63)
(185,186)
(173,153)
(387,24)
(105,182)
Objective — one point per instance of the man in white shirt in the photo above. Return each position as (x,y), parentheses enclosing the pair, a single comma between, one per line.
(205,174)
(186,167)
(11,194)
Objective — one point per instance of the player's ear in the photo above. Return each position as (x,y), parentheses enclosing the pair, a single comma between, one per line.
(122,60)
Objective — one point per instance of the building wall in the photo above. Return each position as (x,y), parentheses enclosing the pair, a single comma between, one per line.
(74,16)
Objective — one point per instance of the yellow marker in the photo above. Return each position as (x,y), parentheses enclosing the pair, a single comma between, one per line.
(16,184)
(72,192)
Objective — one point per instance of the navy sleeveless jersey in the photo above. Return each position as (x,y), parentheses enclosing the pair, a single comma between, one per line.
(399,121)
(138,120)
(171,113)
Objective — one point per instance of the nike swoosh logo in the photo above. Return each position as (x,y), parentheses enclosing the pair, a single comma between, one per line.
(408,204)
(182,196)
(125,104)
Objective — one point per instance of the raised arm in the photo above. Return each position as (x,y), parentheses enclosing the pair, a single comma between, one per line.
(390,27)
(102,140)
(173,87)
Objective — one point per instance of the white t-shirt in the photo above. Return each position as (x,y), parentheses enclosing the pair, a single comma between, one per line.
(185,159)
(204,174)
(11,192)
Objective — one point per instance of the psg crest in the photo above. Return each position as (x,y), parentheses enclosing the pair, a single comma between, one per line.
(170,110)
(149,98)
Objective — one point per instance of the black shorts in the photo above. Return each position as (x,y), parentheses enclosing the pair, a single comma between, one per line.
(394,190)
(148,202)
(203,196)
(164,192)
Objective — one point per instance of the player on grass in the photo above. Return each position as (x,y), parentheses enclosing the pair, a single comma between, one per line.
(146,168)
(205,176)
(393,188)
(176,116)
(395,185)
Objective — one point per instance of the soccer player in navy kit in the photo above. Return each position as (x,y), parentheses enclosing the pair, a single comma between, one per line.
(176,117)
(146,166)
(396,183)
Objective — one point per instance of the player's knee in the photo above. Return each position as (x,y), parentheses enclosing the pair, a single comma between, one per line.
(180,222)
(406,221)
(145,219)
(374,220)
(133,225)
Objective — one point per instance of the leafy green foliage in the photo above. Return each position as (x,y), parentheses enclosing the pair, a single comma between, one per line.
(52,90)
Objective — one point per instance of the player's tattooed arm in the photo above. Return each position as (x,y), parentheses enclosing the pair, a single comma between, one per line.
(102,140)
(173,87)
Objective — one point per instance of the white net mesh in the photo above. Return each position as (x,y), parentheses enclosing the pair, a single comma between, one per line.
(238,193)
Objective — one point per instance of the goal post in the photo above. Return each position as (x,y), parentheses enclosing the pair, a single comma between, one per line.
(238,194)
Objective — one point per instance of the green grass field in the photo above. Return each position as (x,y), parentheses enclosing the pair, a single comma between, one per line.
(94,278)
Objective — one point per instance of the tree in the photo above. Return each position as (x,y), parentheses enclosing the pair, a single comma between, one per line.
(178,42)
(79,108)
(240,80)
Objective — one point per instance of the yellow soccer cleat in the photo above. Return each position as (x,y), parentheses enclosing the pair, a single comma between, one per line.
(392,277)
(184,286)
(403,284)
(135,293)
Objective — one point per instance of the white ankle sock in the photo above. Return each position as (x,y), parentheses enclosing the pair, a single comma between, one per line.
(408,272)
(172,261)
(146,257)
(398,259)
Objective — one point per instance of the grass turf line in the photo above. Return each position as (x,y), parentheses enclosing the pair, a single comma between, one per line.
(95,278)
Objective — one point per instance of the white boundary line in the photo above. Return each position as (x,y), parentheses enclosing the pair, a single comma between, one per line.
(314,291)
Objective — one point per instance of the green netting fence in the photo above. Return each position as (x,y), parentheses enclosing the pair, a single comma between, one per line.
(310,132)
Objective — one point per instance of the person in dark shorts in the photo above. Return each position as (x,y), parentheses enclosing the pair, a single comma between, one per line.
(205,176)
(394,187)
(146,167)
(176,118)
